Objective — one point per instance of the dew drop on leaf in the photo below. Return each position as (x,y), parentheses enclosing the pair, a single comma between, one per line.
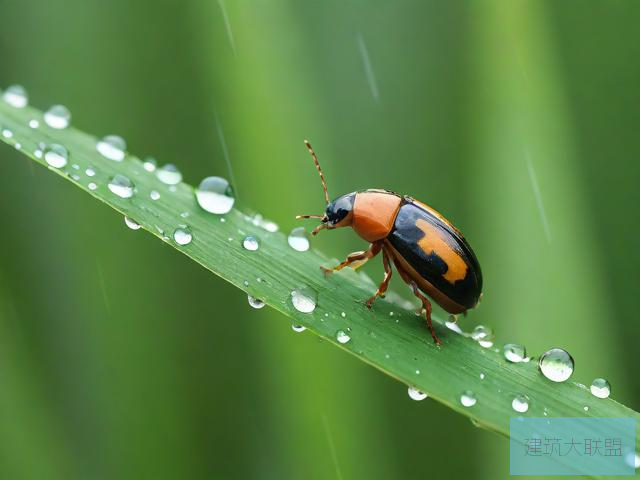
(304,299)
(298,239)
(468,398)
(55,155)
(215,195)
(58,117)
(121,186)
(556,364)
(169,174)
(520,403)
(112,147)
(600,388)
(514,353)
(182,235)
(132,224)
(16,96)
(415,394)
(250,243)
(255,302)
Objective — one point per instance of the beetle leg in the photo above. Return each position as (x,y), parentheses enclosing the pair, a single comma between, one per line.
(362,257)
(385,282)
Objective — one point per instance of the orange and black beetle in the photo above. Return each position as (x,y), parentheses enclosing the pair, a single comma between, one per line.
(429,253)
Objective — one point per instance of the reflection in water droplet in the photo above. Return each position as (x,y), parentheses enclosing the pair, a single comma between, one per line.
(132,224)
(453,326)
(112,147)
(57,117)
(298,328)
(150,164)
(520,403)
(600,388)
(483,335)
(416,394)
(556,364)
(169,174)
(250,243)
(154,195)
(298,239)
(121,186)
(514,353)
(255,302)
(342,337)
(468,398)
(304,299)
(56,155)
(215,195)
(16,96)
(182,235)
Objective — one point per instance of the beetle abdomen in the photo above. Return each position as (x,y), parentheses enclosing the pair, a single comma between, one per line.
(439,255)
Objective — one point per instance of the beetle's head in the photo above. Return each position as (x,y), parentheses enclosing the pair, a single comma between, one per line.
(339,212)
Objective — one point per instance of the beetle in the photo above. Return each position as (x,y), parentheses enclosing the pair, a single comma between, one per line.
(428,251)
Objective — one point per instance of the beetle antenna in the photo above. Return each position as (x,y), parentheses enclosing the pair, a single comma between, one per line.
(319,217)
(315,160)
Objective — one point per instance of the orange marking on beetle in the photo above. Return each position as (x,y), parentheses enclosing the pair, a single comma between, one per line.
(432,242)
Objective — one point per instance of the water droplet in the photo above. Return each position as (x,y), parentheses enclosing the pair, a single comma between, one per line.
(556,364)
(33,123)
(468,398)
(342,337)
(16,96)
(255,302)
(514,353)
(90,172)
(600,388)
(417,372)
(121,186)
(169,174)
(298,239)
(586,409)
(6,133)
(298,328)
(150,164)
(92,186)
(633,459)
(250,243)
(57,117)
(132,224)
(482,376)
(416,394)
(545,412)
(453,326)
(18,146)
(343,315)
(520,403)
(483,335)
(75,177)
(215,195)
(55,155)
(304,299)
(112,147)
(182,235)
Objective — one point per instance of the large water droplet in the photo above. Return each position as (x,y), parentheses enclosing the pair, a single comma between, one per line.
(633,459)
(600,388)
(55,155)
(298,328)
(416,394)
(112,147)
(514,353)
(132,224)
(298,239)
(121,186)
(215,195)
(304,299)
(250,243)
(468,398)
(150,164)
(483,335)
(16,96)
(169,174)
(556,364)
(255,302)
(343,337)
(57,117)
(520,403)
(182,235)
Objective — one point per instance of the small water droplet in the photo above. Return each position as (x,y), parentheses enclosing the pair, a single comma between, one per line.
(55,155)
(298,239)
(90,172)
(184,214)
(75,177)
(304,299)
(633,459)
(545,412)
(298,328)
(343,315)
(169,174)
(482,376)
(453,326)
(468,398)
(132,224)
(250,243)
(182,235)
(215,195)
(520,403)
(75,166)
(57,117)
(18,146)
(586,409)
(112,147)
(600,388)
(255,302)
(92,186)
(154,195)
(16,96)
(556,364)
(150,164)
(483,335)
(121,186)
(342,337)
(417,372)
(416,394)
(514,353)
(6,133)
(33,123)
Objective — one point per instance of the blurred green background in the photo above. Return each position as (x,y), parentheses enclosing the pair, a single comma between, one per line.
(121,359)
